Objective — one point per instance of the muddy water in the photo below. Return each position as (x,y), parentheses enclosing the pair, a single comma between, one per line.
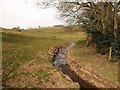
(59,61)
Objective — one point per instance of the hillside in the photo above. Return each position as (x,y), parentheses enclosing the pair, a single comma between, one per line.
(26,62)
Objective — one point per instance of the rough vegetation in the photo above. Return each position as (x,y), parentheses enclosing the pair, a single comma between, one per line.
(27,58)
(100,20)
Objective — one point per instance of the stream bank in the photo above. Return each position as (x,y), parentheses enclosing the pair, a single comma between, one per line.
(60,61)
(85,78)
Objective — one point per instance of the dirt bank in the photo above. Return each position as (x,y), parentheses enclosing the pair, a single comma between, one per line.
(88,74)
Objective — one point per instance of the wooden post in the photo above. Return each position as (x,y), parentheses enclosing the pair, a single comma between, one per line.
(110,53)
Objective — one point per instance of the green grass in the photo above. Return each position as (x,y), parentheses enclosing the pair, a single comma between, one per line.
(98,62)
(43,75)
(20,48)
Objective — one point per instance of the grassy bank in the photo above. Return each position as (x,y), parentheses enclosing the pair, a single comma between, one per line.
(26,62)
(25,59)
(99,63)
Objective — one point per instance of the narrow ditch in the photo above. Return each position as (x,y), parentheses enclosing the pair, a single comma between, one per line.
(59,61)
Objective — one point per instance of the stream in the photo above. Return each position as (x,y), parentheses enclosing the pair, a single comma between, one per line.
(60,61)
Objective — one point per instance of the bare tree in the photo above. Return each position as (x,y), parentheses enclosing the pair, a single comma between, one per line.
(99,17)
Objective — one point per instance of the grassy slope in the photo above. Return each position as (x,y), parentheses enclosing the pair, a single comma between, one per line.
(99,63)
(25,59)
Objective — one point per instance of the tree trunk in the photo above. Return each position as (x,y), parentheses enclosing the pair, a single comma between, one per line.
(115,29)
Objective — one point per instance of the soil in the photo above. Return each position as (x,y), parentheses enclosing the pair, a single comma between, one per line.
(26,77)
(88,74)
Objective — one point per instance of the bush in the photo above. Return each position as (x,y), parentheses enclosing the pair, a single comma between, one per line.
(104,40)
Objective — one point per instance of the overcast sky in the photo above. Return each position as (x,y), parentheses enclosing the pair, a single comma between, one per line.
(25,13)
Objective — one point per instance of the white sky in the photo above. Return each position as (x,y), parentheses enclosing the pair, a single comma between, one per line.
(25,13)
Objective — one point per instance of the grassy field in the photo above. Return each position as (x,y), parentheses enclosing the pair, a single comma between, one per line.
(26,62)
(25,59)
